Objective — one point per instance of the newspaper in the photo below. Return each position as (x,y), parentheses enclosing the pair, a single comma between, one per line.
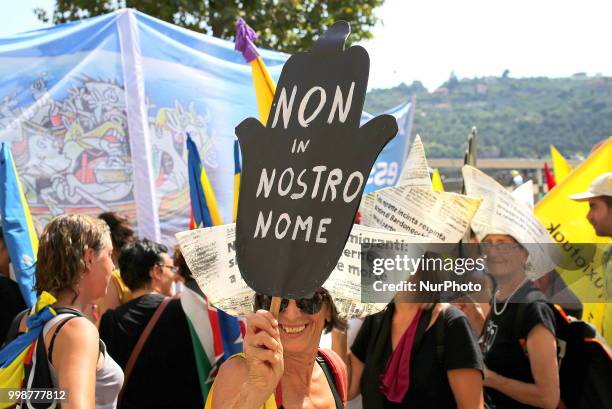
(416,170)
(442,216)
(524,194)
(501,212)
(211,256)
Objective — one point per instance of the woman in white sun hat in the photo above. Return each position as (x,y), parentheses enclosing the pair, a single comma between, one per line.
(519,344)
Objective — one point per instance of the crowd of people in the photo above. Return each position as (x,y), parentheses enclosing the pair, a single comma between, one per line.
(120,337)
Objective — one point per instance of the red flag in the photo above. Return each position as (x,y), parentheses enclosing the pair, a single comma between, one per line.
(550,180)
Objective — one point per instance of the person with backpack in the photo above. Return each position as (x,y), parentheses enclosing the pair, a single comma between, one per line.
(73,269)
(519,344)
(149,335)
(282,365)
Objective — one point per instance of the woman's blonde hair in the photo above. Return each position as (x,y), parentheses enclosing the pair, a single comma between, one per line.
(62,249)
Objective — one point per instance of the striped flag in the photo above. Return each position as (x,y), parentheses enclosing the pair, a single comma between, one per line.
(19,235)
(17,354)
(202,337)
(237,172)
(204,208)
(215,335)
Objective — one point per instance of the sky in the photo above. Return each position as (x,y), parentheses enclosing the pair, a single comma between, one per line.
(424,40)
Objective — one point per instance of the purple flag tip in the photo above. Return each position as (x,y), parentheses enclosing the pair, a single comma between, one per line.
(245,36)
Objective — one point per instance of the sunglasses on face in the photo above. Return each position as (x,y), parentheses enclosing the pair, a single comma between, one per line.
(309,306)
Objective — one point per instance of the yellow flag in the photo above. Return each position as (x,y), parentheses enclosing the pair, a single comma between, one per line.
(209,197)
(436,181)
(566,222)
(560,166)
(264,88)
(264,91)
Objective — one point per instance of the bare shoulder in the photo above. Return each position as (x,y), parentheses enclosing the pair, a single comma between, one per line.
(77,333)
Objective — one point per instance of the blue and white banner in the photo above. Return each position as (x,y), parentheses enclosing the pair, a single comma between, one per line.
(390,162)
(96,114)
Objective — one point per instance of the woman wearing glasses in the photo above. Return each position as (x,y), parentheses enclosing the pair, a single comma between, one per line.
(518,339)
(282,365)
(519,335)
(151,372)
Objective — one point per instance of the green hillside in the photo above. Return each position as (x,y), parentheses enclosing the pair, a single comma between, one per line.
(514,117)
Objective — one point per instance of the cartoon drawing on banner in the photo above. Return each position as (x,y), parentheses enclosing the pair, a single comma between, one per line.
(73,153)
(168,129)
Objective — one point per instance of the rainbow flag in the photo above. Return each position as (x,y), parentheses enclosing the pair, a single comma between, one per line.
(215,335)
(19,235)
(18,353)
(204,208)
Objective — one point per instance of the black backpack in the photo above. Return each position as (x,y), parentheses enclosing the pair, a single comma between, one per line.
(585,359)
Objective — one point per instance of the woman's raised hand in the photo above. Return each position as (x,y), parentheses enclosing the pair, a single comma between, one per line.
(264,352)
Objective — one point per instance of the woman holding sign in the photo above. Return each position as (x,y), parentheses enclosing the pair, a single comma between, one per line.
(282,365)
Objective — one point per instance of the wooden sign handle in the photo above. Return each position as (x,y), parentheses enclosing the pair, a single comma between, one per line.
(275,306)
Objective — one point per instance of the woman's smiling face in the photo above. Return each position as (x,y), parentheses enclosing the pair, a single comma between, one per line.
(300,331)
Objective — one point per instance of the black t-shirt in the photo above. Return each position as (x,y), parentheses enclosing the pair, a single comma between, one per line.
(165,374)
(11,304)
(502,349)
(429,387)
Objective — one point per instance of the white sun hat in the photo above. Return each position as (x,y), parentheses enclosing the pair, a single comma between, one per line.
(601,186)
(502,212)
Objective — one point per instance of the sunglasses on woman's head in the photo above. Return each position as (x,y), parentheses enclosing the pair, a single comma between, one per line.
(309,306)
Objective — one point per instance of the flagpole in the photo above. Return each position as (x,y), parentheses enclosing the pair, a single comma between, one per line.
(469,159)
(264,93)
(275,306)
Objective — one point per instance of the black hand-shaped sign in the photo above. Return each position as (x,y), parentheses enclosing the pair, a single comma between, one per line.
(303,174)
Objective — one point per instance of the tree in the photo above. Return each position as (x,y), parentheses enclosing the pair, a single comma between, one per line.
(285,25)
(452,82)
